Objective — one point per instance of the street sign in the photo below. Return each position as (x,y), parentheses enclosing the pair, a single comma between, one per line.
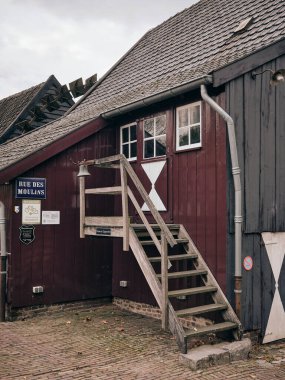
(30,188)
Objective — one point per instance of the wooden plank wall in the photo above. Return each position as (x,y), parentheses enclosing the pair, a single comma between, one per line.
(258,111)
(68,267)
(198,195)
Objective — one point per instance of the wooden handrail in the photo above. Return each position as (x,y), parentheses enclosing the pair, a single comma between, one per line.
(166,235)
(122,159)
(144,220)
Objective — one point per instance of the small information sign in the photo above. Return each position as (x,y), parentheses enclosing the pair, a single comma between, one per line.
(50,217)
(103,231)
(27,234)
(31,188)
(31,211)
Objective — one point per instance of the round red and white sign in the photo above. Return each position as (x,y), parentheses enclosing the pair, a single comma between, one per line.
(248,263)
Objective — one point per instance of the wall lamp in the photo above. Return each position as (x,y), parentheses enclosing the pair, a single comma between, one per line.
(276,76)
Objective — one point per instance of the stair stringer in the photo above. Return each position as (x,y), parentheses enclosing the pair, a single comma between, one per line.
(155,286)
(219,296)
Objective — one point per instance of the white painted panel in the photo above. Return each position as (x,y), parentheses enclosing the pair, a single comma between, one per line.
(153,170)
(275,249)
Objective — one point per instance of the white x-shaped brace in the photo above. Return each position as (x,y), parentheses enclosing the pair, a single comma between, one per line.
(275,248)
(153,170)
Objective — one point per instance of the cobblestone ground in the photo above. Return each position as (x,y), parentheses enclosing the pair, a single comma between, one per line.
(108,343)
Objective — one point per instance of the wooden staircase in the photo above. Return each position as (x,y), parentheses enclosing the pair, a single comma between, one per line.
(168,258)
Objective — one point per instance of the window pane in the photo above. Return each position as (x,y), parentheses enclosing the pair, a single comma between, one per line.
(183,136)
(160,146)
(149,148)
(133,132)
(125,134)
(195,135)
(126,150)
(195,114)
(133,150)
(183,117)
(160,125)
(149,128)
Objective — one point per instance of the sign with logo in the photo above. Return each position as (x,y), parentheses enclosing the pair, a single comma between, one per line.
(31,211)
(27,234)
(248,263)
(31,188)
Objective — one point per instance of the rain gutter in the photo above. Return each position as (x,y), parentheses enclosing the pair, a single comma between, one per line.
(237,187)
(165,95)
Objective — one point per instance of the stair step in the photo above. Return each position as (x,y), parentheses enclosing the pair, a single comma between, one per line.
(224,326)
(192,291)
(201,309)
(175,257)
(187,273)
(155,227)
(150,242)
(105,190)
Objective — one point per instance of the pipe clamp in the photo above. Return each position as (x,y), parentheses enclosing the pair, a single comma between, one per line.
(236,170)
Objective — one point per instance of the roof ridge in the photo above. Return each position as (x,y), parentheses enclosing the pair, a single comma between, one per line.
(21,92)
(112,68)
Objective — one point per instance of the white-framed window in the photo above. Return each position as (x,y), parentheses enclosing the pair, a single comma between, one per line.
(128,141)
(188,126)
(154,140)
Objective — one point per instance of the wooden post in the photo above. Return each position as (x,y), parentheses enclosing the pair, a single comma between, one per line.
(82,205)
(164,281)
(125,207)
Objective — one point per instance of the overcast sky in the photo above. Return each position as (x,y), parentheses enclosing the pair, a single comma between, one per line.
(71,38)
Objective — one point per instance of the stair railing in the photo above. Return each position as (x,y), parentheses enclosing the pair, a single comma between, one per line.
(120,162)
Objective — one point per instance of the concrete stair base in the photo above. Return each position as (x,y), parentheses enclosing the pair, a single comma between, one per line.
(221,353)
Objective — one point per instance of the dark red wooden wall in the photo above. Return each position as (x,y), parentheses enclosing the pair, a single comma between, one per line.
(69,268)
(197,199)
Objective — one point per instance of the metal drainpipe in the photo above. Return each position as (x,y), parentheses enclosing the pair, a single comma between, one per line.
(237,187)
(3,263)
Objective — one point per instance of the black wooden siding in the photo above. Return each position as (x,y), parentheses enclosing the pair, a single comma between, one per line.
(258,110)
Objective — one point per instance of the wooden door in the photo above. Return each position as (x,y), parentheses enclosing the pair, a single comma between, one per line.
(274,306)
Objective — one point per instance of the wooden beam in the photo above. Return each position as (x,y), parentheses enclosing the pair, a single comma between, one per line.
(82,205)
(104,190)
(104,221)
(248,63)
(97,231)
(144,220)
(125,209)
(104,160)
(164,282)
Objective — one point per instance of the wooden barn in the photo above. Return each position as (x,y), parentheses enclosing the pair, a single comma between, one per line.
(183,208)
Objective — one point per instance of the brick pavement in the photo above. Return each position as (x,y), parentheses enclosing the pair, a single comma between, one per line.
(107,343)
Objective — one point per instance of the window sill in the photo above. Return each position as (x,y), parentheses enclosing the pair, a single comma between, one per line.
(188,149)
